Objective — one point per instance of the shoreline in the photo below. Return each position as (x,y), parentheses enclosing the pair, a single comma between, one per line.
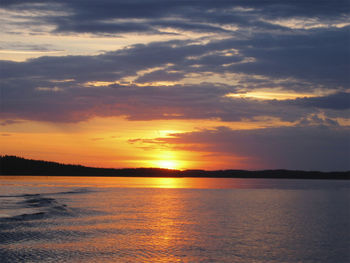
(345,178)
(17,166)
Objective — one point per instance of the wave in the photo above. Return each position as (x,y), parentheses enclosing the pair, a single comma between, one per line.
(76,191)
(32,206)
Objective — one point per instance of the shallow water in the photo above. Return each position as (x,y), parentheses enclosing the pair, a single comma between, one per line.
(62,219)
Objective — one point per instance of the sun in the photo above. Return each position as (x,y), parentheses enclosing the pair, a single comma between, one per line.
(167,164)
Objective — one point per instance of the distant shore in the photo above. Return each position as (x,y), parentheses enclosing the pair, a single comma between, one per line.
(17,166)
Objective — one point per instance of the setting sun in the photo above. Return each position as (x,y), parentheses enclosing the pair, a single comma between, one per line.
(167,164)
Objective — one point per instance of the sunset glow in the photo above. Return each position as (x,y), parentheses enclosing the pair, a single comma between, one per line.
(183,85)
(174,131)
(168,164)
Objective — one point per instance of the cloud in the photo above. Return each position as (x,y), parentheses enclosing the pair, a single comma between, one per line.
(337,101)
(252,52)
(9,122)
(201,101)
(38,89)
(320,56)
(306,148)
(119,16)
(160,75)
(104,67)
(103,27)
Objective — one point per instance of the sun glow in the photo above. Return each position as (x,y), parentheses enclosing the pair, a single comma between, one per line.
(168,160)
(168,164)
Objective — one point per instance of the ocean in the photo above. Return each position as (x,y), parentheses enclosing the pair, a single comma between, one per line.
(101,219)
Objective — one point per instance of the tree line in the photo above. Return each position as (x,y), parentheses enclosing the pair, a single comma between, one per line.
(14,165)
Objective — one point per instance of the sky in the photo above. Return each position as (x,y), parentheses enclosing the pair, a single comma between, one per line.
(239,84)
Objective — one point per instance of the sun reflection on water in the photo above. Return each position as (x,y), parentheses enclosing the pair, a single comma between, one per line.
(167,182)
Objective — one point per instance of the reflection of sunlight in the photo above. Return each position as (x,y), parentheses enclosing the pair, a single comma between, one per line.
(167,183)
(169,227)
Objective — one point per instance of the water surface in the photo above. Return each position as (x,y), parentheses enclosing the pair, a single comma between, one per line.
(90,219)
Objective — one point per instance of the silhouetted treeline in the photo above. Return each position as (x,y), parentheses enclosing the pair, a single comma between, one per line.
(13,165)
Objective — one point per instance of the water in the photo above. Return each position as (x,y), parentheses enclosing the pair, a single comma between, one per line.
(62,219)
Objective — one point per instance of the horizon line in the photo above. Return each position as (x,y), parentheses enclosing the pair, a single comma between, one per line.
(170,169)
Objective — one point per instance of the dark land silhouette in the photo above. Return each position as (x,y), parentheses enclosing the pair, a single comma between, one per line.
(13,165)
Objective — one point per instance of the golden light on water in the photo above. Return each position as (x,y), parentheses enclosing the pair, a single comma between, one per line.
(167,183)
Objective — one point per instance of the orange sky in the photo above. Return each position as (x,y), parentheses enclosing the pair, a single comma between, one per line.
(114,142)
(186,85)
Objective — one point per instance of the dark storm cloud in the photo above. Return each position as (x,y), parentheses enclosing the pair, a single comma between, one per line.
(306,148)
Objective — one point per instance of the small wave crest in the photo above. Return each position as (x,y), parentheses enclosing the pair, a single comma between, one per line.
(30,207)
(76,191)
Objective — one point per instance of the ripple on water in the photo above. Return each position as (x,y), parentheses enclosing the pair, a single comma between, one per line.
(177,225)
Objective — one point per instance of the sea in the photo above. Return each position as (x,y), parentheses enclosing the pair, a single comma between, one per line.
(119,219)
